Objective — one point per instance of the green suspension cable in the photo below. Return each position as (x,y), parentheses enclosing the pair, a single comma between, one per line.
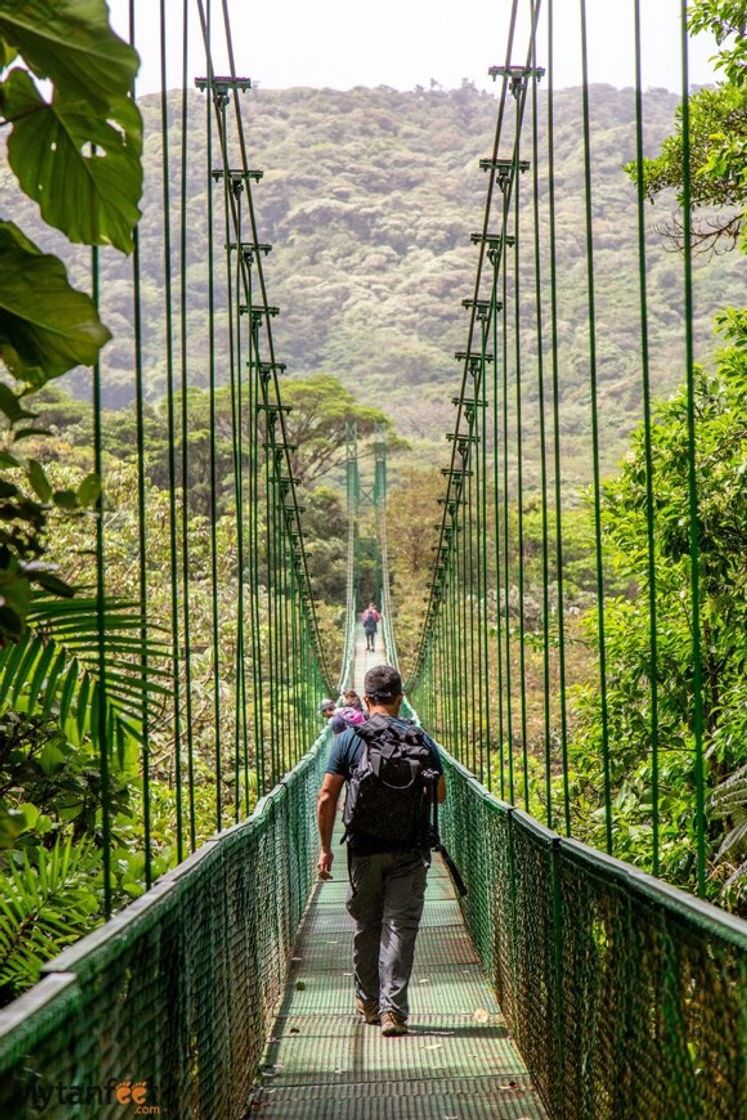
(495,307)
(141,520)
(184,435)
(700,823)
(543,444)
(595,434)
(470,610)
(506,526)
(100,687)
(173,562)
(482,407)
(215,613)
(229,188)
(237,410)
(558,503)
(519,442)
(269,581)
(651,561)
(254,534)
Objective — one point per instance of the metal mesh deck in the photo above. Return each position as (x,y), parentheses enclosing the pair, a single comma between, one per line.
(458,1062)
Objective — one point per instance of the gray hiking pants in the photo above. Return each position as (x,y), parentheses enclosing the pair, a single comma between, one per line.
(386,899)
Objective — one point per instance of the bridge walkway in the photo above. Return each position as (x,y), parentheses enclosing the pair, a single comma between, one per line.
(457,1063)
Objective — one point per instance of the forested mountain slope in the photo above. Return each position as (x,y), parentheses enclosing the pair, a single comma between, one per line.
(369,197)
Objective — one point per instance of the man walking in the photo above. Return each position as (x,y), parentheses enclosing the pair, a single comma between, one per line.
(388,862)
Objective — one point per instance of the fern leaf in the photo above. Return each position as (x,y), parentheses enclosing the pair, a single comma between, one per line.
(54,670)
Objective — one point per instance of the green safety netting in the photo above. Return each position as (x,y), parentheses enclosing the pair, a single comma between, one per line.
(179,989)
(627,998)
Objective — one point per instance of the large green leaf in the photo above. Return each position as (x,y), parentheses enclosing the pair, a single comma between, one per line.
(46,327)
(44,907)
(83,170)
(7,54)
(71,43)
(54,669)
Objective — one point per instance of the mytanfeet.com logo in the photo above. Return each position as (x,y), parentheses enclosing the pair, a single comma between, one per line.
(138,1098)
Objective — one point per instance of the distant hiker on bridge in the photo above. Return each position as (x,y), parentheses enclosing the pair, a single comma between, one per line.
(351,714)
(394,772)
(352,700)
(327,708)
(371,620)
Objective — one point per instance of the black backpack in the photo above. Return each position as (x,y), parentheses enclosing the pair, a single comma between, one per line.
(393,784)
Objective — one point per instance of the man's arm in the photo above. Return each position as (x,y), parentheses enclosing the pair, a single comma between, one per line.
(326,806)
(441,790)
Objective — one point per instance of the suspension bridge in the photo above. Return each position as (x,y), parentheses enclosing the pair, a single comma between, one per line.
(567,983)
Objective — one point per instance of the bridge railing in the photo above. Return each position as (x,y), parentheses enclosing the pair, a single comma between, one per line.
(627,997)
(178,990)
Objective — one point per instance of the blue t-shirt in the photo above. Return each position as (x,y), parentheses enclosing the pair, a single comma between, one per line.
(345,752)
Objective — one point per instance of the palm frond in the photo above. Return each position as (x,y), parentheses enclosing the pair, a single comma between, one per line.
(54,671)
(730,795)
(43,908)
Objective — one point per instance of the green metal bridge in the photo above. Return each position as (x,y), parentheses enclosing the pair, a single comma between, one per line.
(567,983)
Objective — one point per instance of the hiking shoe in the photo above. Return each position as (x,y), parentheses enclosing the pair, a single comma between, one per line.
(369,1009)
(393,1023)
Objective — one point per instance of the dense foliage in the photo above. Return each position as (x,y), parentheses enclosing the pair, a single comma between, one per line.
(369,197)
(718,138)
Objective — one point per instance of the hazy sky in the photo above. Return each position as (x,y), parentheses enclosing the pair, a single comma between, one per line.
(402,43)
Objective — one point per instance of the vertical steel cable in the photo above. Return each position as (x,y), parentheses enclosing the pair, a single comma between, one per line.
(506,523)
(213,514)
(558,503)
(288,662)
(692,490)
(296,657)
(237,411)
(464,628)
(184,433)
(228,191)
(481,404)
(496,306)
(141,520)
(254,549)
(276,630)
(173,562)
(595,432)
(269,585)
(100,721)
(542,437)
(456,653)
(520,94)
(651,560)
(470,667)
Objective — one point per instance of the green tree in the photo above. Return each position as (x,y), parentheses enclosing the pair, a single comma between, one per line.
(721,456)
(718,137)
(320,409)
